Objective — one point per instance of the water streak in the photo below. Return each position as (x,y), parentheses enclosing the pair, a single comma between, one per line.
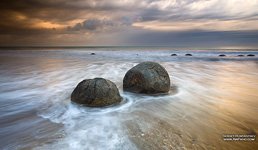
(211,96)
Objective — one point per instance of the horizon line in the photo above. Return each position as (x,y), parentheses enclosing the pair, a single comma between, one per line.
(124,46)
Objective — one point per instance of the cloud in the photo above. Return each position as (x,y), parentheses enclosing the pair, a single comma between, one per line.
(93,25)
(211,25)
(62,13)
(194,38)
(103,18)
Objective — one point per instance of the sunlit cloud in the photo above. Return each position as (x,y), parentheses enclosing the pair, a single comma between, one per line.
(211,25)
(119,19)
(47,25)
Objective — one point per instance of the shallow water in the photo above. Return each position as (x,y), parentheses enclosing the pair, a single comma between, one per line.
(211,96)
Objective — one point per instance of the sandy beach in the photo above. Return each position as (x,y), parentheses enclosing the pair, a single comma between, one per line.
(211,97)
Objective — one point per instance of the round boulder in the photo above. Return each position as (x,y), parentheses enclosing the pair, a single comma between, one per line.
(97,92)
(148,78)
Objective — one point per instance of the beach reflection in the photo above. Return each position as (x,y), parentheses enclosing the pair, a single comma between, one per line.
(223,102)
(213,98)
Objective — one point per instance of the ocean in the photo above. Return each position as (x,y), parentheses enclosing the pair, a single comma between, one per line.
(210,97)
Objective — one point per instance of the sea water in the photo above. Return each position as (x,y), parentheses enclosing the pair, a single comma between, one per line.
(210,97)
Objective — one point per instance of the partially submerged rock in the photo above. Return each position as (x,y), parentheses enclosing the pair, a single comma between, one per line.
(97,92)
(222,55)
(188,55)
(250,55)
(173,54)
(148,78)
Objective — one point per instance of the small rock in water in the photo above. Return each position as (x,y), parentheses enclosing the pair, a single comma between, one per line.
(173,54)
(93,54)
(250,55)
(188,55)
(222,55)
(97,92)
(241,55)
(148,78)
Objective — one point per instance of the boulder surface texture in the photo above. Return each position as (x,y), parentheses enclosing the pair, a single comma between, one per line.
(97,92)
(148,78)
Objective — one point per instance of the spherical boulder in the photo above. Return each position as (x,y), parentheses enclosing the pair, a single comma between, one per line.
(148,78)
(97,92)
(188,55)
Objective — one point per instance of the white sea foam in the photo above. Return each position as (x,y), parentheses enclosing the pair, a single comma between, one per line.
(38,91)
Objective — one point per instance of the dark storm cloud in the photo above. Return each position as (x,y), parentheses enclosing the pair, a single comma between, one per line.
(91,25)
(58,9)
(100,24)
(77,19)
(63,11)
(24,15)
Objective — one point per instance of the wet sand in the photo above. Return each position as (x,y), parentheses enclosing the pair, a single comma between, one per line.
(210,97)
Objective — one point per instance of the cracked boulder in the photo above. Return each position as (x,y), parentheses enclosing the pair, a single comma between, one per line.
(147,78)
(97,92)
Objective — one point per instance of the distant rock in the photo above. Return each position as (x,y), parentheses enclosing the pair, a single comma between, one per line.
(93,54)
(188,55)
(240,55)
(250,55)
(148,78)
(97,92)
(173,54)
(222,55)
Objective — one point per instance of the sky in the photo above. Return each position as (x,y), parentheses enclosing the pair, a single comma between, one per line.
(174,23)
